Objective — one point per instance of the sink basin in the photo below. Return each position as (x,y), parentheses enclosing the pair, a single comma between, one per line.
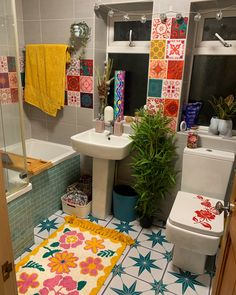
(100,145)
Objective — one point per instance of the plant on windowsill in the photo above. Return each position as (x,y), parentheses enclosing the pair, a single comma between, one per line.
(152,163)
(225,110)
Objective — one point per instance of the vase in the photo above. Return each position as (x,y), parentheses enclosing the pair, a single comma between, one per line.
(213,128)
(102,105)
(225,128)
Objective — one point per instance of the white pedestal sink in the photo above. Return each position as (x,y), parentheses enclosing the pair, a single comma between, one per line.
(105,150)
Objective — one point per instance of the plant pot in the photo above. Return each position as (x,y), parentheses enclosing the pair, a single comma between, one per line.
(225,128)
(213,128)
(146,221)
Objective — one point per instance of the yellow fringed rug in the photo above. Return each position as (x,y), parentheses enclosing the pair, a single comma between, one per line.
(75,260)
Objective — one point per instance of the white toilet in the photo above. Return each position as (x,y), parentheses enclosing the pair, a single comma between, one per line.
(194,226)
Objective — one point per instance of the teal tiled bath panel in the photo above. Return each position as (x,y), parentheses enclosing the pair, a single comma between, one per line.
(42,201)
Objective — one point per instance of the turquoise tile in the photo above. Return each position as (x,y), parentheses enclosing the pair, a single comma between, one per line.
(155,88)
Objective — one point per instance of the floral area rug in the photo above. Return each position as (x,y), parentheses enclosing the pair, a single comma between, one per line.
(74,260)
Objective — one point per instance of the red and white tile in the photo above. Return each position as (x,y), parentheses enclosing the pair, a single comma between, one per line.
(175,49)
(171,89)
(161,30)
(12,80)
(73,98)
(86,84)
(155,104)
(3,64)
(5,95)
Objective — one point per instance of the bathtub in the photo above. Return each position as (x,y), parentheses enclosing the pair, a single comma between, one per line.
(39,149)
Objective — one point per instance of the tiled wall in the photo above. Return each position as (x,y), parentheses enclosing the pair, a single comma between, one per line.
(166,66)
(42,201)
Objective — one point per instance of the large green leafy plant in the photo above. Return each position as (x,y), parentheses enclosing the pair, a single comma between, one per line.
(225,108)
(153,161)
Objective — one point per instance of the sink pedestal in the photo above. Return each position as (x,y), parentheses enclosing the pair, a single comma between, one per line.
(103,179)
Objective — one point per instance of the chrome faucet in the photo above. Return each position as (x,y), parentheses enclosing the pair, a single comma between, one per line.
(110,125)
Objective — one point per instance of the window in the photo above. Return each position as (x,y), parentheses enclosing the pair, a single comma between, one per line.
(213,64)
(128,45)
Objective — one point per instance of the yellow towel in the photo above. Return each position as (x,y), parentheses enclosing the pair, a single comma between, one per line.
(45,76)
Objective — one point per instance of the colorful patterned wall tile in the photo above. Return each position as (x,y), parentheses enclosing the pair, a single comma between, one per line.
(86,84)
(171,89)
(73,68)
(3,64)
(73,83)
(73,98)
(86,67)
(11,62)
(158,69)
(14,95)
(155,104)
(12,80)
(4,80)
(158,48)
(86,100)
(171,107)
(175,49)
(175,69)
(155,87)
(173,123)
(166,66)
(161,30)
(179,28)
(5,95)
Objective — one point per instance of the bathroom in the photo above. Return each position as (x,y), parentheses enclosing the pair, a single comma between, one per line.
(41,21)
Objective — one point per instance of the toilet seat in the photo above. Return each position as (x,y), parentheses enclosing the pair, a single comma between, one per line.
(196,213)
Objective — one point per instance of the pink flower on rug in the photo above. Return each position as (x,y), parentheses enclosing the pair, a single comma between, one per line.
(27,281)
(71,239)
(91,266)
(55,286)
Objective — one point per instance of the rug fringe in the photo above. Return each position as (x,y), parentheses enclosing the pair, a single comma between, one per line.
(103,231)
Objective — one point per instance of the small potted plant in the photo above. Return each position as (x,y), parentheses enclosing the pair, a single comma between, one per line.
(225,110)
(152,163)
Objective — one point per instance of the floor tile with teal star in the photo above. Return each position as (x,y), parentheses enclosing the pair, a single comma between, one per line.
(144,268)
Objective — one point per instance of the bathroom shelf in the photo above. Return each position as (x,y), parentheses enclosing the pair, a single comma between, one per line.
(17,162)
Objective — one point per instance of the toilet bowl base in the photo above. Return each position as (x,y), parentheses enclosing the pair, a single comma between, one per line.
(188,260)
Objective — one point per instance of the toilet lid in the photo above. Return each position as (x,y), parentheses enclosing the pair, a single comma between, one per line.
(196,213)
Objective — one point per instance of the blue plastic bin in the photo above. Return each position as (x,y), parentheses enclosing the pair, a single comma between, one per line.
(124,202)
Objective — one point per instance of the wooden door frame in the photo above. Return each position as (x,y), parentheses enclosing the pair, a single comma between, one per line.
(8,287)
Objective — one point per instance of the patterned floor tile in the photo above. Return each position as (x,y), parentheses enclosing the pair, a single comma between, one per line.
(130,228)
(48,226)
(127,285)
(102,222)
(184,282)
(144,264)
(155,239)
(38,240)
(61,213)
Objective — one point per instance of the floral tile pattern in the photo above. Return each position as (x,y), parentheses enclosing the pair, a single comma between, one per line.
(5,95)
(171,107)
(4,80)
(11,62)
(171,89)
(73,83)
(12,80)
(86,84)
(166,64)
(86,100)
(86,67)
(175,69)
(155,87)
(158,69)
(73,98)
(144,268)
(48,226)
(161,30)
(3,64)
(175,49)
(158,48)
(179,28)
(155,104)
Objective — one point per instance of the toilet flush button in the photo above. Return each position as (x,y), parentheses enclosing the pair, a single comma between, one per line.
(208,150)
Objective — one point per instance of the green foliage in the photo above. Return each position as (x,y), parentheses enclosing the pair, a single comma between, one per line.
(153,161)
(225,108)
(32,264)
(106,253)
(81,285)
